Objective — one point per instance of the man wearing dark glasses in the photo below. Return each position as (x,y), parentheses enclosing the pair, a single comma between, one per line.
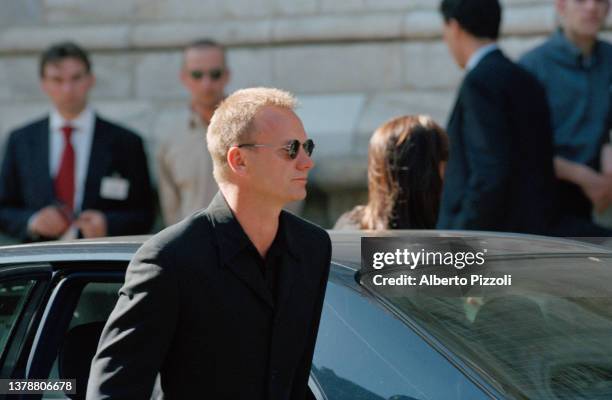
(226,304)
(185,178)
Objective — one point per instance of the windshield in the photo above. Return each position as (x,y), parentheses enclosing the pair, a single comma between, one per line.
(546,336)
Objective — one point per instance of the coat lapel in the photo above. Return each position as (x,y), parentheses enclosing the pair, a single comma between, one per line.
(292,269)
(40,174)
(99,159)
(252,277)
(231,242)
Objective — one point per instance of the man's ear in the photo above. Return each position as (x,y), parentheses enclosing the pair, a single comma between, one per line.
(236,161)
(454,26)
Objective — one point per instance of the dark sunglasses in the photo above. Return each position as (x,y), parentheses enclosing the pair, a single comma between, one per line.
(292,148)
(214,74)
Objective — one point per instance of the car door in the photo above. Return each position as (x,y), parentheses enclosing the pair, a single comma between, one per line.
(23,289)
(82,299)
(364,352)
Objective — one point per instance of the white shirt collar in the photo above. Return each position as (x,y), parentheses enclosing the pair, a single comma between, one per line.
(82,123)
(479,55)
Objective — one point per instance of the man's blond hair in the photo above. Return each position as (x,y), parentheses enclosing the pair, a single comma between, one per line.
(233,122)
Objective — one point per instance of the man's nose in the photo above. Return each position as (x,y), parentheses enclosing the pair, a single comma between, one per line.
(67,86)
(305,162)
(206,81)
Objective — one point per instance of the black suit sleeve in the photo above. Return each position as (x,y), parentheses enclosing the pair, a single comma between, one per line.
(138,332)
(138,214)
(487,134)
(14,215)
(300,383)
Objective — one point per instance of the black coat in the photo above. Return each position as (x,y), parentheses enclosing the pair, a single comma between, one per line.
(197,309)
(26,185)
(500,174)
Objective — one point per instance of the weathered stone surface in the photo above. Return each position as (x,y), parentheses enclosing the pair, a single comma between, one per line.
(296,7)
(179,34)
(508,4)
(250,68)
(249,9)
(177,10)
(429,65)
(170,119)
(338,27)
(114,76)
(21,78)
(134,114)
(207,10)
(330,121)
(352,63)
(18,113)
(21,12)
(82,11)
(338,68)
(515,47)
(400,5)
(529,20)
(422,25)
(339,173)
(384,106)
(38,38)
(5,82)
(334,6)
(157,76)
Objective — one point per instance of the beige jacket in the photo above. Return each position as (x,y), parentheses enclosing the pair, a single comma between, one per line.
(185,171)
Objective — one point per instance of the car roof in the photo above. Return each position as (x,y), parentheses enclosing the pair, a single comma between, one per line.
(346,246)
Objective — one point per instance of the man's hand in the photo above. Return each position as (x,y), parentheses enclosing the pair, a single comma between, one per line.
(49,222)
(92,224)
(598,188)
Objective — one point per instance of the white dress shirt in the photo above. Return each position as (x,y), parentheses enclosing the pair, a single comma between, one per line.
(81,139)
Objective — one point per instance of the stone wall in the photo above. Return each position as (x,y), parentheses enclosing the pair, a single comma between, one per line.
(352,63)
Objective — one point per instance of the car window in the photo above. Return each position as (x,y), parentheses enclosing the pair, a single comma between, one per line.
(95,304)
(13,296)
(363,352)
(545,337)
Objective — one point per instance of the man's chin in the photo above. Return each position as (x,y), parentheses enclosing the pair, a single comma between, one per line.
(298,196)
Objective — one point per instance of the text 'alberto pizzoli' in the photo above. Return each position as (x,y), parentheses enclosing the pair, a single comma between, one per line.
(410,259)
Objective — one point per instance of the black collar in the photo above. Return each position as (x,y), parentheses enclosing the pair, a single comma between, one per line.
(231,237)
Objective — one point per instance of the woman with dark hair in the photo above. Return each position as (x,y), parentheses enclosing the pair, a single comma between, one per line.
(406,160)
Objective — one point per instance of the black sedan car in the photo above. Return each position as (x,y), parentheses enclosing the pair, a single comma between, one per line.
(547,336)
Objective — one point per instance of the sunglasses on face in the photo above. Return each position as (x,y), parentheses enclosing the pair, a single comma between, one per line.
(214,74)
(292,148)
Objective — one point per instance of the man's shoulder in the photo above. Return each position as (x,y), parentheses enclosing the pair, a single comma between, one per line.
(116,130)
(303,230)
(538,54)
(25,130)
(499,73)
(183,239)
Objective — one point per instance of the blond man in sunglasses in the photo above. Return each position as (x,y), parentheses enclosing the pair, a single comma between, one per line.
(184,166)
(226,304)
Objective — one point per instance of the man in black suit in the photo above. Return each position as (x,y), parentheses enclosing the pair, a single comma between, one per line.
(226,304)
(500,170)
(73,173)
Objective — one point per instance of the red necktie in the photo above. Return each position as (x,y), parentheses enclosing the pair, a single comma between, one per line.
(64,181)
